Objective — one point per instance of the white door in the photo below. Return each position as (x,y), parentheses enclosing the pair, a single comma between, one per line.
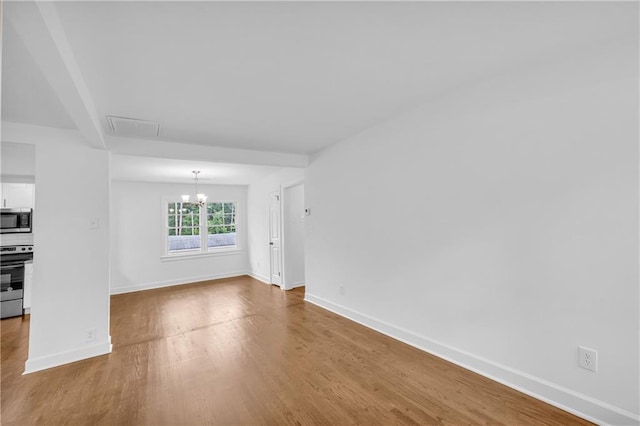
(275,238)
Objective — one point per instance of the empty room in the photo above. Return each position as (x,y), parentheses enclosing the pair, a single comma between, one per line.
(320,213)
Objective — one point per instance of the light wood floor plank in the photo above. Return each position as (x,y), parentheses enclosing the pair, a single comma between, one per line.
(238,352)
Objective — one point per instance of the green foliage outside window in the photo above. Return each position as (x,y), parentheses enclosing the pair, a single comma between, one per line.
(184,219)
(221,218)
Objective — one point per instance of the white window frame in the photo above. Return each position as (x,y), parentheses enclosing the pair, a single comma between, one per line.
(204,251)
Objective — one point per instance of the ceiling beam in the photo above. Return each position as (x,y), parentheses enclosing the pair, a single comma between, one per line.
(186,151)
(32,134)
(27,133)
(39,27)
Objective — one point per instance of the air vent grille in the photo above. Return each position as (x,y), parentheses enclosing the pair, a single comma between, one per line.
(133,127)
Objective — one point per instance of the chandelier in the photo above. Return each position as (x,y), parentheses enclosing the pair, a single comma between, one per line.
(202,199)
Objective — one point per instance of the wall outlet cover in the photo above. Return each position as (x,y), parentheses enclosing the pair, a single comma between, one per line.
(90,334)
(588,358)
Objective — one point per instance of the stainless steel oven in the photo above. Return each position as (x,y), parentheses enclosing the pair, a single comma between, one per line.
(13,221)
(12,260)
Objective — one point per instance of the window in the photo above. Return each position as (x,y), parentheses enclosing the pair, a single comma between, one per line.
(221,224)
(191,229)
(183,228)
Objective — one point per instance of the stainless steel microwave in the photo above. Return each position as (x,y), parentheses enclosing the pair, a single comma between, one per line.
(13,221)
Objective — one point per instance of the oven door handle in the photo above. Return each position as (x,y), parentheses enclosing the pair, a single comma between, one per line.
(11,266)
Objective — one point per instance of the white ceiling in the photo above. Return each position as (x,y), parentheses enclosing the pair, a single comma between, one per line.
(27,97)
(146,169)
(291,77)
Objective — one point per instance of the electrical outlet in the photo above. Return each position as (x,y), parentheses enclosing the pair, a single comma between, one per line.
(90,334)
(588,358)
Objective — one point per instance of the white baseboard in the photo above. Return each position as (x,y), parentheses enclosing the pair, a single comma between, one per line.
(259,277)
(42,363)
(180,281)
(566,399)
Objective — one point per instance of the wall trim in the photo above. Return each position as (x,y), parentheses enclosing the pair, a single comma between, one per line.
(566,399)
(200,255)
(169,283)
(54,360)
(259,277)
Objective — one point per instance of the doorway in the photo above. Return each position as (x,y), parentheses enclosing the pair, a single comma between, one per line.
(293,232)
(275,238)
(287,236)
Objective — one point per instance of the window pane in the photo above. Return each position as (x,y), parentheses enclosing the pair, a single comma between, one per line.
(188,208)
(221,227)
(214,230)
(214,219)
(184,243)
(214,207)
(183,227)
(227,239)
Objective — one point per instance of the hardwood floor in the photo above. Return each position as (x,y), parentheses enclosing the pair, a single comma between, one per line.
(237,351)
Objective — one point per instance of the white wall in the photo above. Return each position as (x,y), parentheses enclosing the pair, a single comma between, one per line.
(293,233)
(258,218)
(498,227)
(17,162)
(71,262)
(137,238)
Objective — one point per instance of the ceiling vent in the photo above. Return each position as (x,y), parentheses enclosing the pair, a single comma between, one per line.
(132,127)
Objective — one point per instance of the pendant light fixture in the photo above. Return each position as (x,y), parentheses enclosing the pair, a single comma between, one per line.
(201,198)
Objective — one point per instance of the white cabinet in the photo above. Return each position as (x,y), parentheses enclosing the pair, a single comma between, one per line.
(18,195)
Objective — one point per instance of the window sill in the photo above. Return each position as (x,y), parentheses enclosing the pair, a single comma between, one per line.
(197,255)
